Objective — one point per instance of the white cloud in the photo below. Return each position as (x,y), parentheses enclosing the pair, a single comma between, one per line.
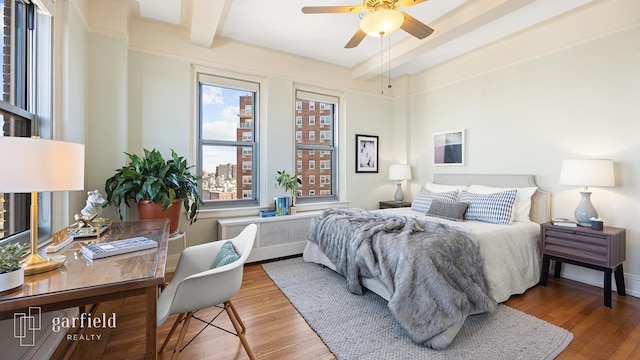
(212,95)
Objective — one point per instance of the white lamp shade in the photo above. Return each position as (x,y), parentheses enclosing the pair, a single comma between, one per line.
(381,22)
(399,172)
(587,172)
(37,165)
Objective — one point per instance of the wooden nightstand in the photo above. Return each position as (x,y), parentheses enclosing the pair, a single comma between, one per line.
(603,250)
(392,204)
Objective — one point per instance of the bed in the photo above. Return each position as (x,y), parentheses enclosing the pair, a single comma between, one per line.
(509,261)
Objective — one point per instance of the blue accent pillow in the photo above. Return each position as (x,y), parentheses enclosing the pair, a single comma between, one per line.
(423,200)
(226,255)
(492,208)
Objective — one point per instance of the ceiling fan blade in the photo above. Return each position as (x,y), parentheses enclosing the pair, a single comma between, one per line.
(410,2)
(331,9)
(356,39)
(415,27)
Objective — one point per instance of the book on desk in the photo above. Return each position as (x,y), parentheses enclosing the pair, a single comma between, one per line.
(118,247)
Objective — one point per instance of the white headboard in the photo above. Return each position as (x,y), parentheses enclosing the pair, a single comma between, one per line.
(540,201)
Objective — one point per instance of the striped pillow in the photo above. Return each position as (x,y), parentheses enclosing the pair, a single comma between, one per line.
(422,202)
(492,208)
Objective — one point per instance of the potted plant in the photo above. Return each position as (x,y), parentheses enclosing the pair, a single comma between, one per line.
(11,273)
(290,184)
(157,185)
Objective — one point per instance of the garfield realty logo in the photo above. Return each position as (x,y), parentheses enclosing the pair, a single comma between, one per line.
(26,324)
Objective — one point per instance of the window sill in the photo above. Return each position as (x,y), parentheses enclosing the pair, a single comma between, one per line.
(253,210)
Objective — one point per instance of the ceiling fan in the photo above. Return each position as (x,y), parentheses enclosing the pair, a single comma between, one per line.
(382,19)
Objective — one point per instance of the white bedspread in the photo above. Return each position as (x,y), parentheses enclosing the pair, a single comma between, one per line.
(511,254)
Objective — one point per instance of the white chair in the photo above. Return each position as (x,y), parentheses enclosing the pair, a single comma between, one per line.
(196,286)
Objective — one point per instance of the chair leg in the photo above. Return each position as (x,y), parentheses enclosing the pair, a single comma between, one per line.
(239,326)
(173,328)
(183,331)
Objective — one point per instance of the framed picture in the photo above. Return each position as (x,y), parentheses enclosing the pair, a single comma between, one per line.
(366,153)
(448,148)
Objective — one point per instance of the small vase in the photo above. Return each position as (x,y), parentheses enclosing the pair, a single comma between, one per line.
(11,280)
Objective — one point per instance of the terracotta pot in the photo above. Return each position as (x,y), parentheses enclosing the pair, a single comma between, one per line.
(147,211)
(11,280)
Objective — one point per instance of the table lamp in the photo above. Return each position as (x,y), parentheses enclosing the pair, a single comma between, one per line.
(587,172)
(36,165)
(399,173)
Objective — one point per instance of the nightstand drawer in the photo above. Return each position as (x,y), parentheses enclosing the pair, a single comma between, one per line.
(598,256)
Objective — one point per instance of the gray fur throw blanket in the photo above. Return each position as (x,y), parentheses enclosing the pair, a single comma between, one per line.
(433,272)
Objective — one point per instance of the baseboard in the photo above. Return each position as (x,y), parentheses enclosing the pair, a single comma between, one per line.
(596,278)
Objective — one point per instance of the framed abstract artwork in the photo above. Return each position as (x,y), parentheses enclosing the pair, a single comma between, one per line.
(448,148)
(366,153)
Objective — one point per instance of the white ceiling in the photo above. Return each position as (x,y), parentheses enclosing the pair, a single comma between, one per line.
(460,26)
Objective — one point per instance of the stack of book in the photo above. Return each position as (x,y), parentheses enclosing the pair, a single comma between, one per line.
(564,222)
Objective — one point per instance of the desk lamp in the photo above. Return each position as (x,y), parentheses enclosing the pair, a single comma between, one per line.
(399,173)
(586,172)
(36,165)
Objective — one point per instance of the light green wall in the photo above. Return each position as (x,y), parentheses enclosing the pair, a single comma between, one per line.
(578,100)
(567,88)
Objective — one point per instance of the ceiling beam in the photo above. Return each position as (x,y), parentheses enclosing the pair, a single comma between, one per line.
(464,19)
(205,18)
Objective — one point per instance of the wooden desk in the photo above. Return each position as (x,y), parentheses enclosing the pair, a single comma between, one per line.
(82,282)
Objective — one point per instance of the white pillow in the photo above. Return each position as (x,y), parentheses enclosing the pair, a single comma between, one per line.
(521,205)
(438,188)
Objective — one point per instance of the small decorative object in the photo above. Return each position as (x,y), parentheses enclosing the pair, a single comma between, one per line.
(11,272)
(399,173)
(94,204)
(290,184)
(366,154)
(586,172)
(88,226)
(448,148)
(597,223)
(156,185)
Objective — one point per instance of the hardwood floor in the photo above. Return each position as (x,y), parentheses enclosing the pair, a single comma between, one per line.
(275,330)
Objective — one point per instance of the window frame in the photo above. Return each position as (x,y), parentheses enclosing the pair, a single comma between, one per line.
(29,99)
(234,81)
(330,147)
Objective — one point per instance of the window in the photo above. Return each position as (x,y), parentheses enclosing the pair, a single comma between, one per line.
(227,145)
(27,32)
(298,120)
(317,149)
(299,164)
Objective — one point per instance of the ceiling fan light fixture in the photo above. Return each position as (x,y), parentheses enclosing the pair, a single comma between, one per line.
(381,22)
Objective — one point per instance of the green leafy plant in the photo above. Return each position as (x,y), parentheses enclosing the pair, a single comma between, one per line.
(155,179)
(288,182)
(10,256)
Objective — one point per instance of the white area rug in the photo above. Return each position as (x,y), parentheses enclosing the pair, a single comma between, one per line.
(361,327)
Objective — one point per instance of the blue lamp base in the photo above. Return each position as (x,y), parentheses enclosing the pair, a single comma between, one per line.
(398,196)
(585,210)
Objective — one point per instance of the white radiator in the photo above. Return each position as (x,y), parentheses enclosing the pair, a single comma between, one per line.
(277,236)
